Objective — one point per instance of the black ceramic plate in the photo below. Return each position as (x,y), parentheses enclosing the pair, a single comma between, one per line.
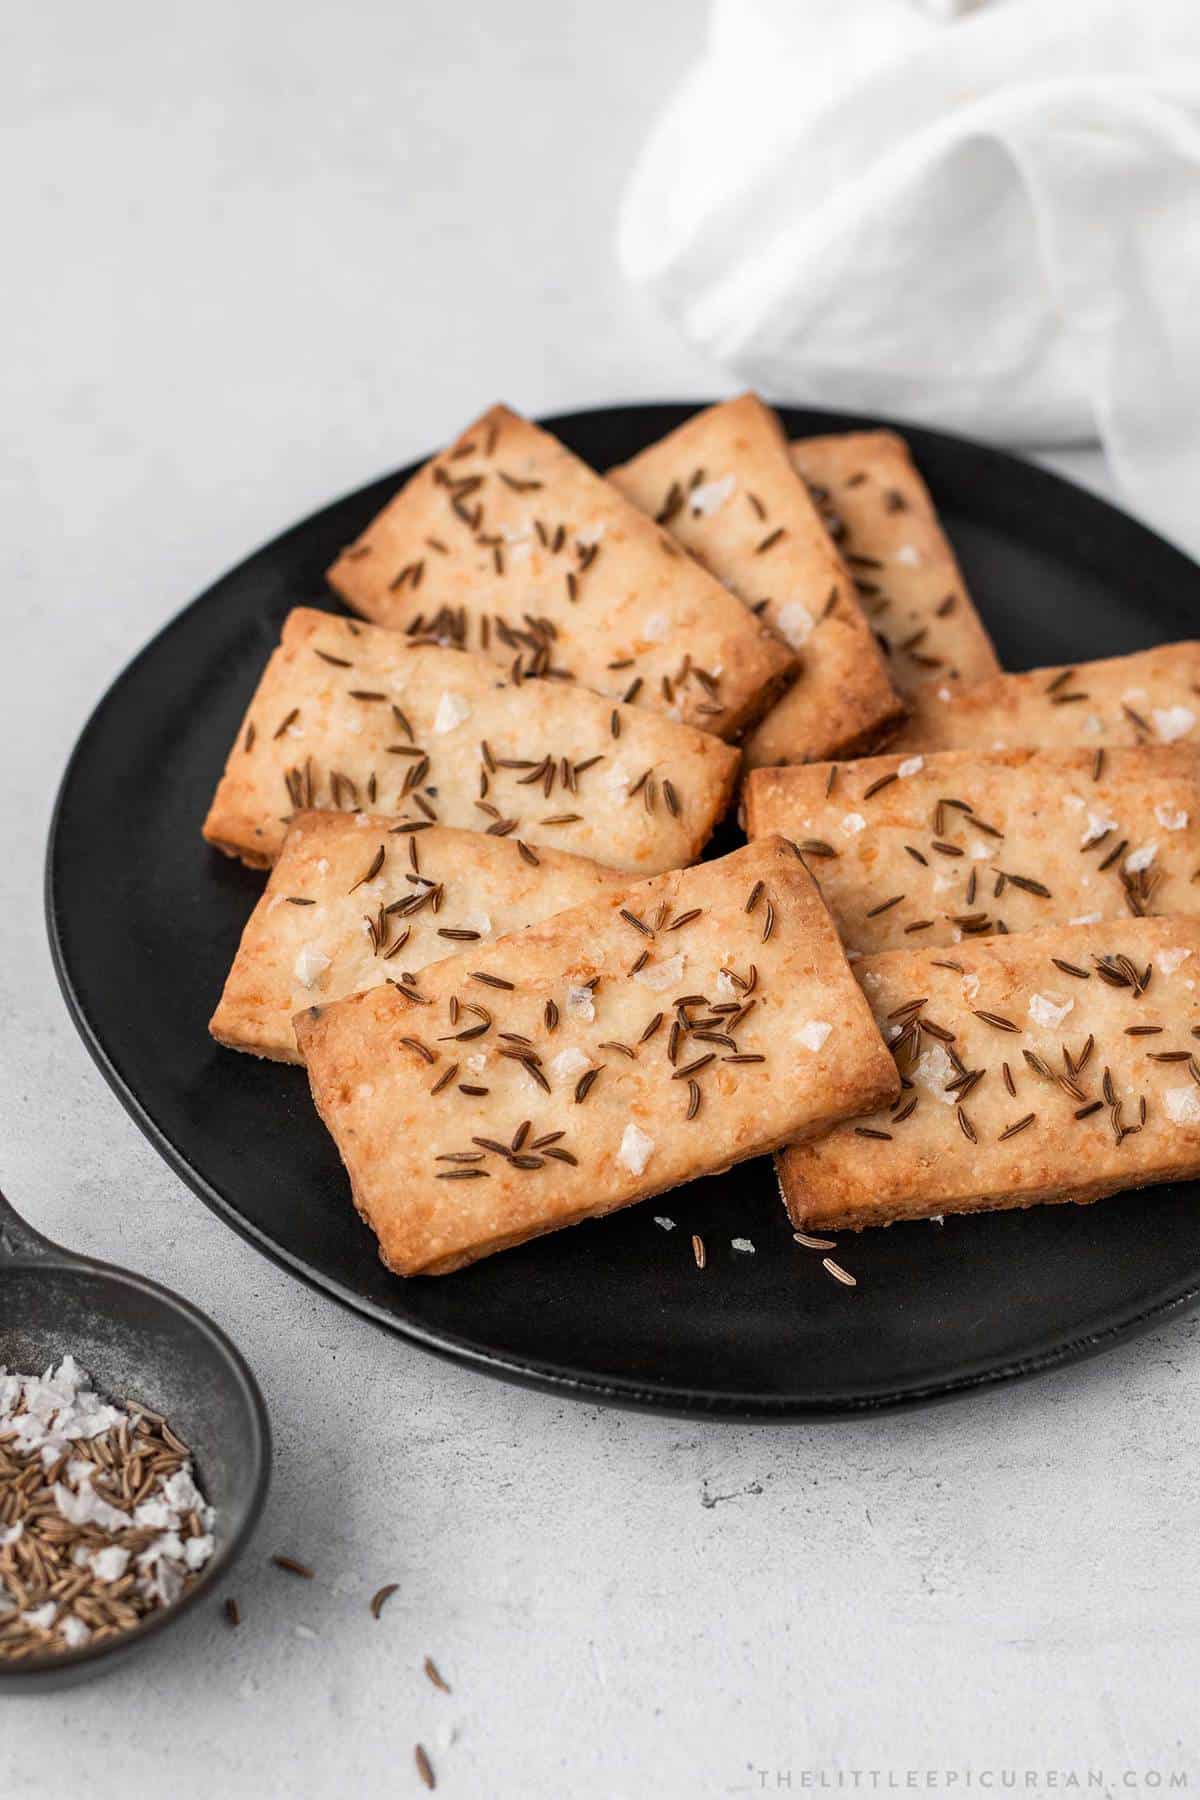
(144,919)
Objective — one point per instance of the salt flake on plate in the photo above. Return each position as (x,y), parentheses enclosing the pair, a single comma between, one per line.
(1173,722)
(1170,819)
(569,1064)
(1183,1105)
(659,976)
(710,496)
(932,1070)
(744,1245)
(1169,961)
(636,1149)
(452,711)
(580,1004)
(1097,825)
(795,623)
(310,964)
(1045,1010)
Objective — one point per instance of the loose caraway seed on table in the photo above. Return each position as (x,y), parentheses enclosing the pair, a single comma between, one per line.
(101,1521)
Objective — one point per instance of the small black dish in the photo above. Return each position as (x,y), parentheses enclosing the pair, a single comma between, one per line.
(144,919)
(137,1341)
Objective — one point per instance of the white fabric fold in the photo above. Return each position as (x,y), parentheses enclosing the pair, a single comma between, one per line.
(989,222)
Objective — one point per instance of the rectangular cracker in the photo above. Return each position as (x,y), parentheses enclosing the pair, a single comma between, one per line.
(509,545)
(606,1096)
(1072,1127)
(723,485)
(876,505)
(327,926)
(1151,697)
(347,716)
(912,851)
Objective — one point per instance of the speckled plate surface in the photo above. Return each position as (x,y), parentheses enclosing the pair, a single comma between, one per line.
(144,919)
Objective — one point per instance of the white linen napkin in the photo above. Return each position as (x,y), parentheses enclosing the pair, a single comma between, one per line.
(988,221)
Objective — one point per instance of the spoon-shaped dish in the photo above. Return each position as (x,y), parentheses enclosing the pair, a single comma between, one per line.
(137,1341)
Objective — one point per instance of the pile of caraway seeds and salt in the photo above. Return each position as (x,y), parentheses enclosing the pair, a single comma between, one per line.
(101,1521)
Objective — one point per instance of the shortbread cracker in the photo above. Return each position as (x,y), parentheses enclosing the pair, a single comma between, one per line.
(1059,1065)
(1151,697)
(603,1056)
(876,505)
(349,716)
(917,850)
(724,486)
(507,544)
(350,905)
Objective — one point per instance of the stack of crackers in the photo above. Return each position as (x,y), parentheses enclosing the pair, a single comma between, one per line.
(954,968)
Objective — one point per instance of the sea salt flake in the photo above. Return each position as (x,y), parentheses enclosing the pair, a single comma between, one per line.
(41,1617)
(1086,919)
(1183,1105)
(74,1632)
(310,964)
(1097,825)
(452,710)
(155,1513)
(569,1064)
(853,823)
(812,1033)
(477,1061)
(744,1245)
(912,765)
(636,1149)
(970,986)
(180,1491)
(795,623)
(656,628)
(726,987)
(1169,961)
(197,1550)
(617,777)
(110,1563)
(1173,722)
(710,496)
(663,1222)
(659,976)
(932,1070)
(87,1507)
(580,1004)
(1045,1010)
(908,555)
(1140,859)
(1170,819)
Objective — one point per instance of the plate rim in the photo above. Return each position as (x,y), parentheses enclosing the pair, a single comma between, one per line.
(544,1375)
